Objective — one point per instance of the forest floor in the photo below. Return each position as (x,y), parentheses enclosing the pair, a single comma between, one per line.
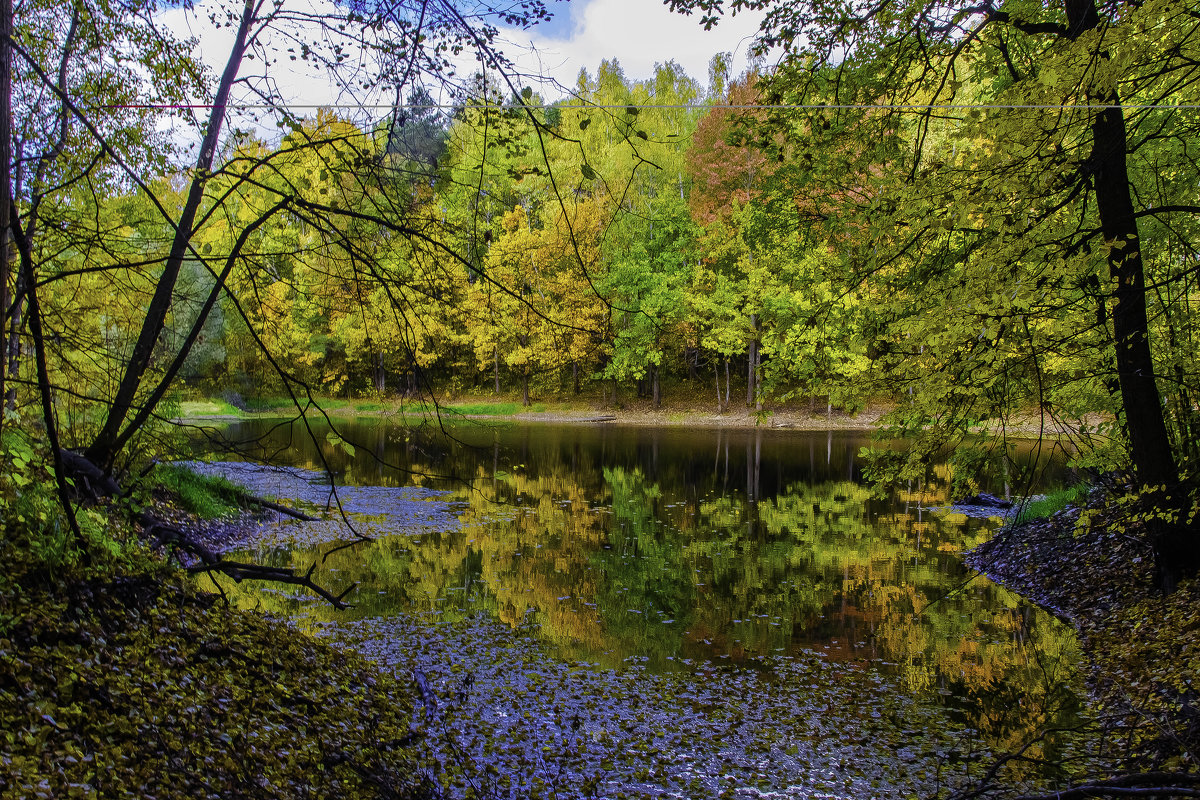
(1141,648)
(118,678)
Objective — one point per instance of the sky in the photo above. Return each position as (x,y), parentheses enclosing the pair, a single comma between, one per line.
(638,33)
(581,33)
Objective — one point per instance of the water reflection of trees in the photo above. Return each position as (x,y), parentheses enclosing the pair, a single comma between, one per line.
(626,544)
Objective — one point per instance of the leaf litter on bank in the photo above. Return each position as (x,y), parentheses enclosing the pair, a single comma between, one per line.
(138,687)
(1141,648)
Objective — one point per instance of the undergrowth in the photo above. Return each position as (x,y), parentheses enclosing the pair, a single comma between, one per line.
(206,496)
(1052,503)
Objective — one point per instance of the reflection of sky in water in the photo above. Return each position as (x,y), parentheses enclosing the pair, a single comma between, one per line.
(679,551)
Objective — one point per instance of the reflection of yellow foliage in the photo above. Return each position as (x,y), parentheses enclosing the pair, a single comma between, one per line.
(567,548)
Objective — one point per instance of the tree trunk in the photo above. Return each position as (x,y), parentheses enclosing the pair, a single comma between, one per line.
(13,345)
(717,380)
(751,360)
(1149,443)
(728,381)
(758,378)
(104,448)
(6,13)
(1176,552)
(656,391)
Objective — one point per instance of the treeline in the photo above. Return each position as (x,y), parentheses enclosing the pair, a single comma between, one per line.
(625,238)
(985,245)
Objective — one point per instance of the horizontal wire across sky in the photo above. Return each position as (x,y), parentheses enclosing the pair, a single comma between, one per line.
(622,107)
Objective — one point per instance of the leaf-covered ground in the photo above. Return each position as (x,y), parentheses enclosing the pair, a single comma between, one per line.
(1141,648)
(140,687)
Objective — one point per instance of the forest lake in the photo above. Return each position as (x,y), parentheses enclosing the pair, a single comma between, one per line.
(594,610)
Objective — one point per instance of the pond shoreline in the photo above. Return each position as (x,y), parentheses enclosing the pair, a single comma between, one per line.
(643,414)
(467,667)
(1093,568)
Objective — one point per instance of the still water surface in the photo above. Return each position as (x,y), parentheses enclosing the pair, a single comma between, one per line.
(671,612)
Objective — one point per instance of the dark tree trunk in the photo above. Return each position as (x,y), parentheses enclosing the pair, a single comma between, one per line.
(108,441)
(13,345)
(1176,551)
(49,419)
(1149,443)
(656,390)
(6,13)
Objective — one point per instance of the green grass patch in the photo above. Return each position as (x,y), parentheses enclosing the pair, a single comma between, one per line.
(1052,503)
(207,408)
(341,405)
(208,497)
(494,409)
(269,403)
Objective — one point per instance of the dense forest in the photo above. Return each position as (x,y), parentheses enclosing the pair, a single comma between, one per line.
(996,228)
(981,216)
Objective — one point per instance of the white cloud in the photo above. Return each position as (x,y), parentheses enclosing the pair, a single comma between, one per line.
(638,33)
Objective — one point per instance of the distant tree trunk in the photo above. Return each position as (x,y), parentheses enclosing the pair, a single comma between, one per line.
(575,375)
(656,390)
(496,368)
(525,386)
(758,379)
(728,382)
(752,363)
(717,381)
(380,373)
